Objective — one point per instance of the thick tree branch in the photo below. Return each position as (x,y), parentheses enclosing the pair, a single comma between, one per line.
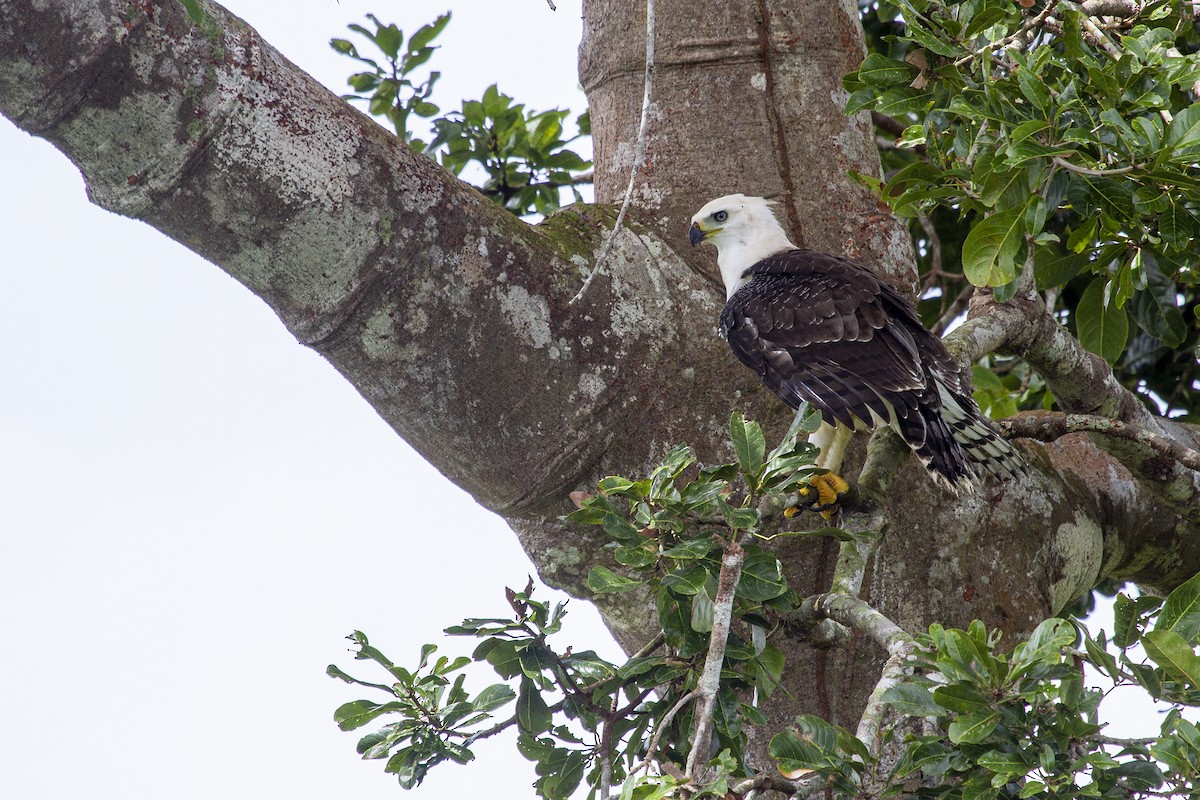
(1046,427)
(1082,384)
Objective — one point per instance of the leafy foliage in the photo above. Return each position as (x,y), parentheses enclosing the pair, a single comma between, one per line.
(389,89)
(1000,724)
(1031,136)
(1023,724)
(523,154)
(578,714)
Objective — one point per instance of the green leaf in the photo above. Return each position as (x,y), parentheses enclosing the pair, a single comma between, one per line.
(973,728)
(1183,134)
(1181,611)
(962,699)
(389,38)
(913,700)
(1010,765)
(762,576)
(691,549)
(989,252)
(1176,225)
(1171,652)
(428,33)
(1102,328)
(702,611)
(880,71)
(357,713)
(533,715)
(493,697)
(1051,268)
(1045,643)
(748,442)
(603,580)
(1155,309)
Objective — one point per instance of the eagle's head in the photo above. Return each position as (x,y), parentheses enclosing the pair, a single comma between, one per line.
(744,230)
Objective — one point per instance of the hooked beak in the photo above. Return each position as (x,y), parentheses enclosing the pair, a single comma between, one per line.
(696,234)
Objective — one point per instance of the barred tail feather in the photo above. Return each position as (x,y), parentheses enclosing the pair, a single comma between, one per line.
(985,449)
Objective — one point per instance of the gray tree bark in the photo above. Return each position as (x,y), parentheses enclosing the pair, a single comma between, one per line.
(452,318)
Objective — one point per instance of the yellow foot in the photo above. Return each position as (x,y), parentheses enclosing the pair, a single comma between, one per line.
(821,494)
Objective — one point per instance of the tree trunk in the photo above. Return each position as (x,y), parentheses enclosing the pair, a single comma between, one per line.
(453,319)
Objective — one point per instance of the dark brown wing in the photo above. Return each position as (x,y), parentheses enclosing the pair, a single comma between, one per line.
(822,329)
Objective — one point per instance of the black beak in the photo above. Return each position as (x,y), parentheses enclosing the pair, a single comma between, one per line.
(696,234)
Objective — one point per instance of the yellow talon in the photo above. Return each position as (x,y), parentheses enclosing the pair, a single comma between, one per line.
(821,494)
(830,487)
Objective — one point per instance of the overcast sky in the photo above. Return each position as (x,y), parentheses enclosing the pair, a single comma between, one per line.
(194,509)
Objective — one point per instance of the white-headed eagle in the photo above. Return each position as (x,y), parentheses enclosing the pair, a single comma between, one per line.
(823,329)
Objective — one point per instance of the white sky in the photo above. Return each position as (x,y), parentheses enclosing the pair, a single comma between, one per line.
(194,509)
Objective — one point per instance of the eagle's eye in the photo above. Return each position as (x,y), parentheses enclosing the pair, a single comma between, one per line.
(721,216)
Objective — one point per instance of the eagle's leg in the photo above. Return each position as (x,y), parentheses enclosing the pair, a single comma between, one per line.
(827,488)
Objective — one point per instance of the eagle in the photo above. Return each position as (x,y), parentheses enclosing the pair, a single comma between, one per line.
(824,330)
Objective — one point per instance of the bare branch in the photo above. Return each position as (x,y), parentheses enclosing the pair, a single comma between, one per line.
(893,673)
(710,679)
(663,725)
(1095,173)
(1109,8)
(1046,427)
(857,614)
(639,157)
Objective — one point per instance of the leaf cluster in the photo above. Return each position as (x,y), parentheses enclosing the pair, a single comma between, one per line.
(1023,724)
(577,715)
(390,89)
(1030,137)
(522,154)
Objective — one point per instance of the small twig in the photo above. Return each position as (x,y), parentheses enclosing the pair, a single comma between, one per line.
(1095,173)
(639,157)
(710,678)
(935,255)
(663,725)
(1118,742)
(955,309)
(1046,427)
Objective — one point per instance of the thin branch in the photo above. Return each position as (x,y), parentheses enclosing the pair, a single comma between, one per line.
(954,310)
(663,725)
(857,614)
(773,783)
(1046,427)
(1109,8)
(1118,742)
(639,157)
(893,673)
(1095,173)
(710,678)
(1029,25)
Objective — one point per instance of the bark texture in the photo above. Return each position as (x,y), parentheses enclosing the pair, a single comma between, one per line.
(452,318)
